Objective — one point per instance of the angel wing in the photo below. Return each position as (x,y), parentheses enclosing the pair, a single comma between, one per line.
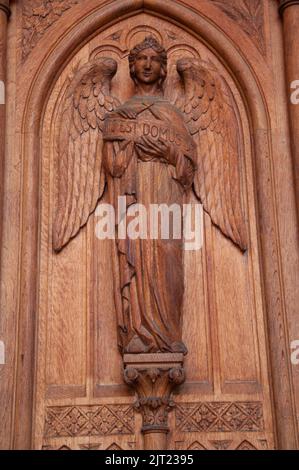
(211,116)
(79,180)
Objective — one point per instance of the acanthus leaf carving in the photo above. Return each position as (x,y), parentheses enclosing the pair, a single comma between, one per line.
(249,14)
(38,16)
(154,385)
(155,411)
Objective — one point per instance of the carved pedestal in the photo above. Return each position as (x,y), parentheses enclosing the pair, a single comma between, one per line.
(153,377)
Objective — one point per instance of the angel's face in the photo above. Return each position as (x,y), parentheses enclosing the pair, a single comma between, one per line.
(148,66)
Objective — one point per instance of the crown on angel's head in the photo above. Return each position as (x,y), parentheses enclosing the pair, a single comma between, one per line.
(150,42)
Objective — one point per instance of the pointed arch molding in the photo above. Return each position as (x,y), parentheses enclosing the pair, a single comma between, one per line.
(34,104)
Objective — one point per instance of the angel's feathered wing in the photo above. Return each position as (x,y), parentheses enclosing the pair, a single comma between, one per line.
(80,180)
(211,116)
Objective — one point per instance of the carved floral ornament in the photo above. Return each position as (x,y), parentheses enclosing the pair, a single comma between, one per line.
(109,420)
(38,17)
(220,417)
(88,420)
(249,15)
(154,386)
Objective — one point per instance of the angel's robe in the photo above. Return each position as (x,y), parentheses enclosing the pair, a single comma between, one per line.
(148,273)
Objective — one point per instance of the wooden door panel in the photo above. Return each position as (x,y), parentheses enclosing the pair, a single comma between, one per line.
(62,384)
(81,399)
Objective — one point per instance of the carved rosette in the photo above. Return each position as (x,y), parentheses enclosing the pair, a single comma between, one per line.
(153,377)
(88,420)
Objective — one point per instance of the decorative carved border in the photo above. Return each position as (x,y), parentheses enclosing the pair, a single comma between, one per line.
(220,417)
(93,420)
(38,16)
(90,446)
(236,444)
(249,14)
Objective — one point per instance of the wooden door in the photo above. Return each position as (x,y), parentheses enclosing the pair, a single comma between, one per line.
(76,397)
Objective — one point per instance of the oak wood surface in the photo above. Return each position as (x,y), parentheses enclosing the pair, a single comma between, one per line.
(239,310)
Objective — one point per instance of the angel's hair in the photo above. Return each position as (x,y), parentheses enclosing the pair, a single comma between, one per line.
(150,42)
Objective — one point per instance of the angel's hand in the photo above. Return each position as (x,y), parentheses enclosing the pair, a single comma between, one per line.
(127,113)
(153,148)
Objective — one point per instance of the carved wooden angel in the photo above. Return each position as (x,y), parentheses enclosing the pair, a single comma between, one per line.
(153,149)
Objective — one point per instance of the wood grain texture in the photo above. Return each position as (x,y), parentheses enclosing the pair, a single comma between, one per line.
(100,140)
(8,200)
(290,13)
(220,373)
(153,377)
(37,17)
(79,182)
(249,14)
(4,13)
(264,283)
(211,116)
(4,9)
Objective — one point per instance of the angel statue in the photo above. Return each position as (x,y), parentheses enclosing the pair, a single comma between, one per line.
(153,149)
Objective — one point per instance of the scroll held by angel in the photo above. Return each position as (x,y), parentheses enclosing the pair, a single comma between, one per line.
(154,149)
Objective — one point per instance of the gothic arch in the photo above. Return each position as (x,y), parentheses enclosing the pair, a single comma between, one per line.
(71,39)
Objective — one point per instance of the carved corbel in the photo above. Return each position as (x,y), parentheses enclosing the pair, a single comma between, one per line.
(154,377)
